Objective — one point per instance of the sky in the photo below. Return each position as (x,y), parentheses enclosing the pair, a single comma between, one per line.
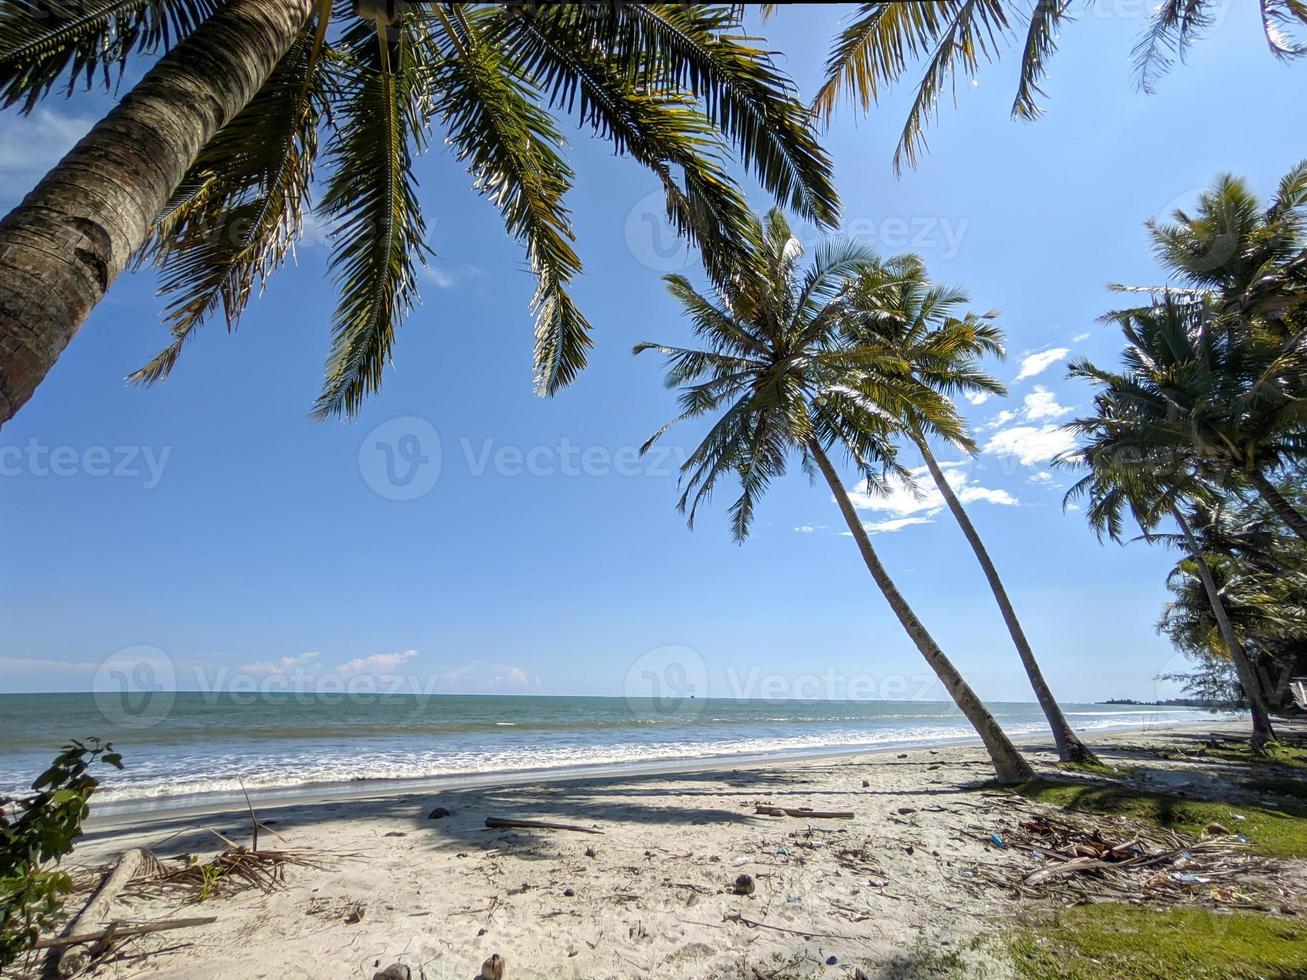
(467,536)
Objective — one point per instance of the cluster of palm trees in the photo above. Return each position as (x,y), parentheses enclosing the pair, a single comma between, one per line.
(1209,412)
(851,355)
(207,166)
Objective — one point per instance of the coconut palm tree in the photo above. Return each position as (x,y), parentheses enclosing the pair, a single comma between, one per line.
(1241,265)
(779,379)
(953,37)
(206,166)
(895,304)
(1134,468)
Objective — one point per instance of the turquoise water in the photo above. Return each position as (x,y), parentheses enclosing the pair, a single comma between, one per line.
(200,746)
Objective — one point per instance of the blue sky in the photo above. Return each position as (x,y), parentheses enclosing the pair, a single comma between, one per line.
(466,532)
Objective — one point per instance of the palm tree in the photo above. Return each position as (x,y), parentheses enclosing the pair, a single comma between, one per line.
(874,50)
(1261,575)
(206,166)
(1242,270)
(895,304)
(1133,468)
(779,379)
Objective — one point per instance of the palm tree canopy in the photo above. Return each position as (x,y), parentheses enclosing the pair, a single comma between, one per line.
(678,88)
(777,369)
(894,303)
(952,37)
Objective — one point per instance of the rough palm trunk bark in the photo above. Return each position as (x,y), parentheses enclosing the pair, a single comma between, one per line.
(1286,511)
(75,232)
(1069,746)
(1009,764)
(1248,678)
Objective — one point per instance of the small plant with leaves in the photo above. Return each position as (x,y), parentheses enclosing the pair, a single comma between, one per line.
(35,832)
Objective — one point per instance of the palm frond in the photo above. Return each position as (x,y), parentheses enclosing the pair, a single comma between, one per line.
(1041,44)
(378,231)
(235,217)
(43,41)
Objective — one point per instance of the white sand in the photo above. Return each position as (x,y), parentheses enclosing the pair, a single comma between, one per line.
(653,900)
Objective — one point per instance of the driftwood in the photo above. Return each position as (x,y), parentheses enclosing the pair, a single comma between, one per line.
(116,931)
(77,955)
(496,823)
(803,811)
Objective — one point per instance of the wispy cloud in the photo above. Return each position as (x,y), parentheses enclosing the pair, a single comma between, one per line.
(978,397)
(1080,338)
(908,508)
(285,665)
(1040,361)
(446,276)
(31,145)
(481,675)
(891,525)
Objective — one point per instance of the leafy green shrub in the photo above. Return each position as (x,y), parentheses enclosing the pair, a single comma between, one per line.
(35,832)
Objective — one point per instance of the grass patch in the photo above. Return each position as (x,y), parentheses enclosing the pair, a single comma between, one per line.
(1276,755)
(1296,788)
(1095,768)
(1277,832)
(1132,943)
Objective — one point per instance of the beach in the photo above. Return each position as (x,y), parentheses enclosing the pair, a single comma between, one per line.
(649,892)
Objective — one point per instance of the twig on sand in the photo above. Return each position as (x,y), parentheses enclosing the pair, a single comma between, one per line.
(496,823)
(116,931)
(753,924)
(802,811)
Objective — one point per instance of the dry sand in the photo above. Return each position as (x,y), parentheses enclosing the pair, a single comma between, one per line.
(890,891)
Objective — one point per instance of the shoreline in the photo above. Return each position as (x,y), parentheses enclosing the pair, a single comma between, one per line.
(114,815)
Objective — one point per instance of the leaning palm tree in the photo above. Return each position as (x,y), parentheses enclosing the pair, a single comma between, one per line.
(1133,469)
(952,37)
(207,165)
(895,304)
(779,378)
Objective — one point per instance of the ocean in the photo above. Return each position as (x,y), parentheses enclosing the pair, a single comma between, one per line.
(198,748)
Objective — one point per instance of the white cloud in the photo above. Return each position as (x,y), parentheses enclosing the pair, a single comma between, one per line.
(31,145)
(1031,444)
(378,663)
(805,529)
(1080,338)
(978,397)
(480,675)
(1000,420)
(445,276)
(891,525)
(1043,477)
(1042,404)
(902,503)
(283,666)
(1040,361)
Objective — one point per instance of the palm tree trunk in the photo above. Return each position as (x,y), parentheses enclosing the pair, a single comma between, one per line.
(1008,762)
(1286,511)
(1248,679)
(75,232)
(1069,746)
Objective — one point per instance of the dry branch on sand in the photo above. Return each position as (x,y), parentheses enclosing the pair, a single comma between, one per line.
(1104,858)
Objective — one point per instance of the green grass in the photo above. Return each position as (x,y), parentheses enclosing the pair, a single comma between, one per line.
(1276,755)
(1277,832)
(1132,943)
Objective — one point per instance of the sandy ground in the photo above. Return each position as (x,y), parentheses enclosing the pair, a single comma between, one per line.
(889,891)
